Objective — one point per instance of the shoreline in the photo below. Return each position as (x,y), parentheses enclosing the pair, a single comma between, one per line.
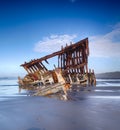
(84,112)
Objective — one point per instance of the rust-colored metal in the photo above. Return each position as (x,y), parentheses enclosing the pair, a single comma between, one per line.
(73,47)
(72,59)
(72,69)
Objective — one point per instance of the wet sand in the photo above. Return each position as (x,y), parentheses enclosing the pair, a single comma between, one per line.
(95,109)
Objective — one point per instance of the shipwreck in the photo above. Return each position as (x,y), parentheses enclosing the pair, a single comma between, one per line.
(71,69)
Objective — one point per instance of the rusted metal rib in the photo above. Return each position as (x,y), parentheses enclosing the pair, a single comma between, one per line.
(72,47)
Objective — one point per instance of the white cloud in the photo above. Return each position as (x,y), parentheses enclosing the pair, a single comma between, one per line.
(117,25)
(107,45)
(53,43)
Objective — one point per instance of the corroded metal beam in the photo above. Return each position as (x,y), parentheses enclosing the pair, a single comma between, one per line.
(72,47)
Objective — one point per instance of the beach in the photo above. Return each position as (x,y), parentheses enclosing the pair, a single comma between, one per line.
(90,109)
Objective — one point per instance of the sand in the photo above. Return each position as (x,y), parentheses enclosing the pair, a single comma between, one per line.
(89,110)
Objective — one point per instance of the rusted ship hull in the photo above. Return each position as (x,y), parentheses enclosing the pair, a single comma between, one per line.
(49,89)
(72,68)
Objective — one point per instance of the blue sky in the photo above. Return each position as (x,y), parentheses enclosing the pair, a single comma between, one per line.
(33,28)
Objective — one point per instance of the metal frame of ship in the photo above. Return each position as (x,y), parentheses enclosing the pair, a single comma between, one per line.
(72,69)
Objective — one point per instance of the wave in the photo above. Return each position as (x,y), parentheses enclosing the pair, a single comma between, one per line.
(11,82)
(10,85)
(108,82)
(106,97)
(105,90)
(107,79)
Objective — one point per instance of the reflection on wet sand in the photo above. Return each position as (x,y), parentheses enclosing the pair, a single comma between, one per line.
(90,108)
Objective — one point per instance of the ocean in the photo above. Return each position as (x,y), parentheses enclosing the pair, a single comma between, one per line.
(105,88)
(9,89)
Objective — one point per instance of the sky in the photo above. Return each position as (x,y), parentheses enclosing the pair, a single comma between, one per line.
(30,29)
